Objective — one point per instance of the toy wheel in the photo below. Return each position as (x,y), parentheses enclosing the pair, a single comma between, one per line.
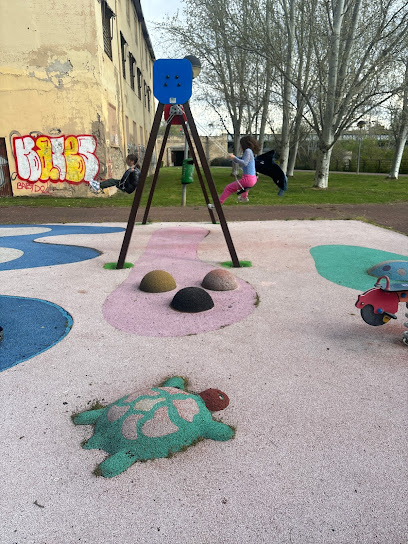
(368,315)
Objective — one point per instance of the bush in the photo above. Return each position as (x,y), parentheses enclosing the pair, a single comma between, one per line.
(221,161)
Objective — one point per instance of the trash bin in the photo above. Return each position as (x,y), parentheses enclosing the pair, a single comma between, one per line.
(187,171)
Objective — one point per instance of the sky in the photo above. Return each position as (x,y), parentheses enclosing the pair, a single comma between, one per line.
(155,11)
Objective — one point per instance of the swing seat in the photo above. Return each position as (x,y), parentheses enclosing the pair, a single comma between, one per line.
(243,190)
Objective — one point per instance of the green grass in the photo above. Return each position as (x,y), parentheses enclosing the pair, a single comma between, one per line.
(343,189)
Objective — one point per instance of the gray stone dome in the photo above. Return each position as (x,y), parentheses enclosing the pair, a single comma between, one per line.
(220,280)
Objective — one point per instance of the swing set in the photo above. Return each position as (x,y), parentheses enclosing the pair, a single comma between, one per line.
(172,84)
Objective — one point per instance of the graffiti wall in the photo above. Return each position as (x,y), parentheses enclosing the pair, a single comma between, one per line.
(54,159)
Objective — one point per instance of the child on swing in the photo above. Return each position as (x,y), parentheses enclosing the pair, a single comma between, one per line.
(250,147)
(129,180)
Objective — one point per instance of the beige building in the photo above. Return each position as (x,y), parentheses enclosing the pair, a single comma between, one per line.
(214,147)
(75,93)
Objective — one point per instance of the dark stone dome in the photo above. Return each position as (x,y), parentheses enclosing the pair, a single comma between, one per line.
(192,300)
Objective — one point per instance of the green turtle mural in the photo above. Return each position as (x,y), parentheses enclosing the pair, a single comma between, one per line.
(152,423)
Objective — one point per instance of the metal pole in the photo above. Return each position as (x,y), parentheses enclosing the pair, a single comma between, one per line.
(198,171)
(156,174)
(183,194)
(184,185)
(358,156)
(139,189)
(211,185)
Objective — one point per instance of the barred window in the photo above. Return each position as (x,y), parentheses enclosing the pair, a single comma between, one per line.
(148,98)
(107,15)
(123,45)
(139,83)
(132,62)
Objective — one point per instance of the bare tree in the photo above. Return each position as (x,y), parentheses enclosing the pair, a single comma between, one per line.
(288,7)
(400,126)
(354,44)
(304,71)
(232,82)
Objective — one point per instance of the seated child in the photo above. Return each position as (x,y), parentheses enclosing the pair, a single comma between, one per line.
(127,183)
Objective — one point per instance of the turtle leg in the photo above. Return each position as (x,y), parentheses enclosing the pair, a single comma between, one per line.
(219,431)
(89,417)
(117,463)
(178,382)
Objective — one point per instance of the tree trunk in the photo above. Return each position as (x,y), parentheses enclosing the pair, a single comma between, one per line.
(399,150)
(289,14)
(403,130)
(322,168)
(285,137)
(268,81)
(292,157)
(296,137)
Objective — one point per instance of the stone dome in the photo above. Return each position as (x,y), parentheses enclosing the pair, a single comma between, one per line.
(192,300)
(220,280)
(157,281)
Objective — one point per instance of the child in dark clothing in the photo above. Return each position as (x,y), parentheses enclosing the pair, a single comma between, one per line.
(127,183)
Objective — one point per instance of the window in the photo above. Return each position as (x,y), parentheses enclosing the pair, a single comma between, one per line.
(139,83)
(144,94)
(132,62)
(107,15)
(123,45)
(148,93)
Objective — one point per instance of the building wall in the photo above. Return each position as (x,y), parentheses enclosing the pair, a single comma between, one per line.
(67,113)
(214,146)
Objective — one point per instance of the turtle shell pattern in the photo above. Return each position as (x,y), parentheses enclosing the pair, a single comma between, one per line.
(148,424)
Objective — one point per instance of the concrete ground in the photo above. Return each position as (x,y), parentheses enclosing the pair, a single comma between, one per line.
(317,396)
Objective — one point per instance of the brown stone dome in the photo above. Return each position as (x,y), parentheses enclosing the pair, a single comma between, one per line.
(157,281)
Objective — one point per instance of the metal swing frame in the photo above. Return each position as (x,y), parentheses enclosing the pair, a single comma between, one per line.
(189,127)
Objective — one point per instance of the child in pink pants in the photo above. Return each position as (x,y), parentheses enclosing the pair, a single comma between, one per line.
(250,146)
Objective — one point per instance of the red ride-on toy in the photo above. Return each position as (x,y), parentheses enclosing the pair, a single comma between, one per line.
(380,304)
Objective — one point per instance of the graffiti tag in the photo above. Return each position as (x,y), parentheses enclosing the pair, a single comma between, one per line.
(34,188)
(63,158)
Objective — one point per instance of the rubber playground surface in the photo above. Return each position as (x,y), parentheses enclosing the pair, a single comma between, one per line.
(317,396)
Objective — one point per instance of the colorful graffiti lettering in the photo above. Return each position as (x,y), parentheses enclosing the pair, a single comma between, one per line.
(63,158)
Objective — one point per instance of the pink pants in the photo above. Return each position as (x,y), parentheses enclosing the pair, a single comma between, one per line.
(235,186)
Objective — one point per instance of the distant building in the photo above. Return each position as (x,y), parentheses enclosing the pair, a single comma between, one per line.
(214,147)
(75,93)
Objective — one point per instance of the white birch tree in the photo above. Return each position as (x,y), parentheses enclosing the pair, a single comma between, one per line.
(354,44)
(401,126)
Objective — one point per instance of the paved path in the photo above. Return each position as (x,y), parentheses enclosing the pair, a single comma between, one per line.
(393,216)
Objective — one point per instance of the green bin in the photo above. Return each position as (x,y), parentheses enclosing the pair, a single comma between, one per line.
(187,171)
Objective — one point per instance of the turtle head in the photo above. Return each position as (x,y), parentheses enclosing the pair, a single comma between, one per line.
(214,399)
